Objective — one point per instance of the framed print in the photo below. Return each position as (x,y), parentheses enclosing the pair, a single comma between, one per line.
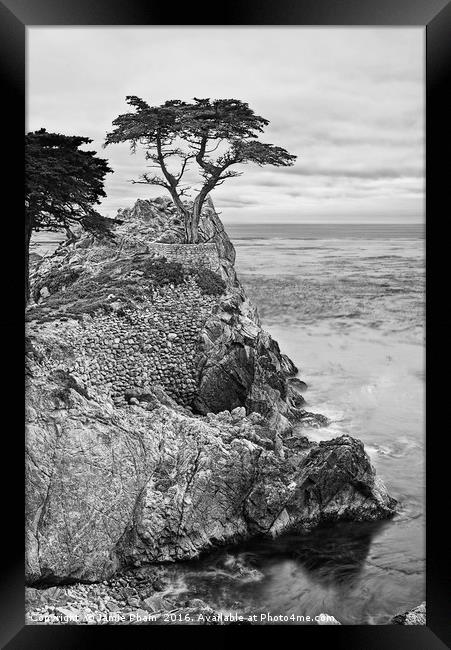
(228,427)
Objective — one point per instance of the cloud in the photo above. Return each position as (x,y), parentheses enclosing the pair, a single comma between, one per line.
(375,173)
(235,203)
(348,101)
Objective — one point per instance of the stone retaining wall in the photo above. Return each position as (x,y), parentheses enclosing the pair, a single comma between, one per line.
(189,255)
(154,344)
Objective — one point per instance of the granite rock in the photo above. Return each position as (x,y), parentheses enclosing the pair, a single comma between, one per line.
(113,487)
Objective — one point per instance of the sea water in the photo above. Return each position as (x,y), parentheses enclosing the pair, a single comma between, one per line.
(346,303)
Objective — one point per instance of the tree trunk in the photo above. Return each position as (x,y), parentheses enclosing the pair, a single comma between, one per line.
(28,229)
(195,216)
(188,223)
(187,217)
(193,226)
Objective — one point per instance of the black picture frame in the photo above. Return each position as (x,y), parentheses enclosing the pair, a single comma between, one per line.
(435,17)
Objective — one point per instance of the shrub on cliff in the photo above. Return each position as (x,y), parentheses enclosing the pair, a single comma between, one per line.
(209,282)
(160,272)
(55,280)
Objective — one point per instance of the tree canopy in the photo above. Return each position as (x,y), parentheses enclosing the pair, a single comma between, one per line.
(214,134)
(62,185)
(63,182)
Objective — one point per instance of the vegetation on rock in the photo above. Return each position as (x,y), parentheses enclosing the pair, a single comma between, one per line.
(55,281)
(74,293)
(161,271)
(209,282)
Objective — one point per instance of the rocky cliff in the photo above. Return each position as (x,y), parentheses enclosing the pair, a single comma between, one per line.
(141,310)
(160,414)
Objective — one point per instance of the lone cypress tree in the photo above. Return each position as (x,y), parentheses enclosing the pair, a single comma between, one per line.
(215,134)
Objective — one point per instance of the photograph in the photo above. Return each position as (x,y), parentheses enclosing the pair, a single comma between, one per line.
(225,325)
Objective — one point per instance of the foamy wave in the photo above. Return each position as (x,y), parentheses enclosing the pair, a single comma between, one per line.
(398,449)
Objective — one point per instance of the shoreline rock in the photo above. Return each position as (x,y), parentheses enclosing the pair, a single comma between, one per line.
(111,487)
(143,598)
(415,616)
(123,600)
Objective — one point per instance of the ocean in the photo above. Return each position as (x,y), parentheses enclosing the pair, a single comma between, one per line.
(346,303)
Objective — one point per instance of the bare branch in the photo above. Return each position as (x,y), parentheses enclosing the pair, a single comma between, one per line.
(185,161)
(214,148)
(146,179)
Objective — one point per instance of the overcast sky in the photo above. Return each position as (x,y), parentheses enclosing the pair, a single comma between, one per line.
(349,102)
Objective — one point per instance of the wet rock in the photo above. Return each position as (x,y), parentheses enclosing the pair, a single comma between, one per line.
(196,603)
(298,385)
(314,420)
(155,603)
(327,619)
(298,402)
(288,367)
(296,442)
